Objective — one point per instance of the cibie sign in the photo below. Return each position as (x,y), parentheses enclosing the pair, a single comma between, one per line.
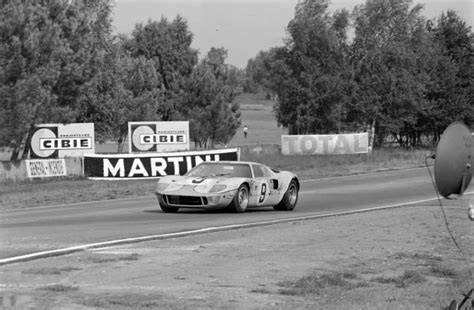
(62,140)
(158,136)
(354,143)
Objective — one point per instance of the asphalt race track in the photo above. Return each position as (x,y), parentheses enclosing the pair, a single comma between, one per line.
(48,228)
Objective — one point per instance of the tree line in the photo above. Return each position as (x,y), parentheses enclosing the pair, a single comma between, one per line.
(61,63)
(383,65)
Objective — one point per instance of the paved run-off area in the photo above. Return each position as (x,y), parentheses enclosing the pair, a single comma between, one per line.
(391,259)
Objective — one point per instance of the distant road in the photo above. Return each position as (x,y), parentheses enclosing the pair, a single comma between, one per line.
(32,230)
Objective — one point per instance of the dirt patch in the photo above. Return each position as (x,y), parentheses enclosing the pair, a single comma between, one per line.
(392,259)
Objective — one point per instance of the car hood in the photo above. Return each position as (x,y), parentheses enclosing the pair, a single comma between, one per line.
(176,183)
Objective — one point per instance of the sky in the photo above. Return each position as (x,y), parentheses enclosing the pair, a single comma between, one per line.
(245,27)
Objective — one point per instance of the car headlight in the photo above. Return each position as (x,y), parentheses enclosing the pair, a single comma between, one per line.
(217,188)
(201,188)
(161,186)
(205,188)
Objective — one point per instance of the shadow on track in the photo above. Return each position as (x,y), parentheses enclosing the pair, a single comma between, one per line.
(215,211)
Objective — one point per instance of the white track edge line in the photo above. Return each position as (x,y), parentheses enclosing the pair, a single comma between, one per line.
(64,251)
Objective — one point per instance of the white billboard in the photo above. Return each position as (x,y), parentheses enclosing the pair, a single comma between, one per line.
(354,143)
(62,140)
(41,168)
(144,137)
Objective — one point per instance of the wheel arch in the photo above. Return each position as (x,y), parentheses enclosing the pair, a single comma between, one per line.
(295,178)
(287,180)
(246,183)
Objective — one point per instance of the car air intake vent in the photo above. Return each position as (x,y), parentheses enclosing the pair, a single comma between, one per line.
(186,200)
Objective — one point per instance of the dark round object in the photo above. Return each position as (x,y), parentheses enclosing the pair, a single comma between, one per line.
(290,198)
(453,160)
(241,199)
(165,207)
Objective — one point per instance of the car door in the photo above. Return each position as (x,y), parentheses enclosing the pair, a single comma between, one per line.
(264,186)
(274,186)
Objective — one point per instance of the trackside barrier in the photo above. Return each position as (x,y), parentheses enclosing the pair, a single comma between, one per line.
(354,143)
(259,149)
(16,171)
(150,165)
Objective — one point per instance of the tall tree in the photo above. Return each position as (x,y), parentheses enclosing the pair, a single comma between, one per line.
(260,72)
(50,50)
(386,60)
(126,89)
(229,77)
(451,89)
(168,45)
(207,103)
(311,92)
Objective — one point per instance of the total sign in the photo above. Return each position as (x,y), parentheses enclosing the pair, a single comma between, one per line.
(62,140)
(158,136)
(355,143)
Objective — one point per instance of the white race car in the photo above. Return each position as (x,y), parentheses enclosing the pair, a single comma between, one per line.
(221,184)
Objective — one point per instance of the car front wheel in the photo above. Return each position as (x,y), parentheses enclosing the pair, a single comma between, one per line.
(241,199)
(166,208)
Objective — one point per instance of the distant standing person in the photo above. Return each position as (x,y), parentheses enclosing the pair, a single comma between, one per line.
(246,129)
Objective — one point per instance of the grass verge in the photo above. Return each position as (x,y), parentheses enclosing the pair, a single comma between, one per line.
(126,301)
(49,271)
(59,288)
(404,280)
(114,259)
(314,284)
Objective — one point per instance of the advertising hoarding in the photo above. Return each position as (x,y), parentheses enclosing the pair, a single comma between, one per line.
(41,168)
(152,137)
(354,143)
(143,166)
(62,140)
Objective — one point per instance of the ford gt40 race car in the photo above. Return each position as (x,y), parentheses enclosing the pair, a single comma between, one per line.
(239,185)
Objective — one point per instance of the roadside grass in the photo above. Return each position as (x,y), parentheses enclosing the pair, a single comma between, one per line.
(408,277)
(127,301)
(261,290)
(443,271)
(320,166)
(417,256)
(314,284)
(433,265)
(49,271)
(59,288)
(113,259)
(401,277)
(63,191)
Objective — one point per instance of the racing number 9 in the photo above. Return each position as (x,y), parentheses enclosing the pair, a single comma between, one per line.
(262,193)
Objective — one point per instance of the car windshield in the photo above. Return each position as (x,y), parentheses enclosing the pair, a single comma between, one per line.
(216,169)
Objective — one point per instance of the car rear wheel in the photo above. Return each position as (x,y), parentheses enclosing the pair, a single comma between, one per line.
(290,198)
(241,199)
(166,208)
